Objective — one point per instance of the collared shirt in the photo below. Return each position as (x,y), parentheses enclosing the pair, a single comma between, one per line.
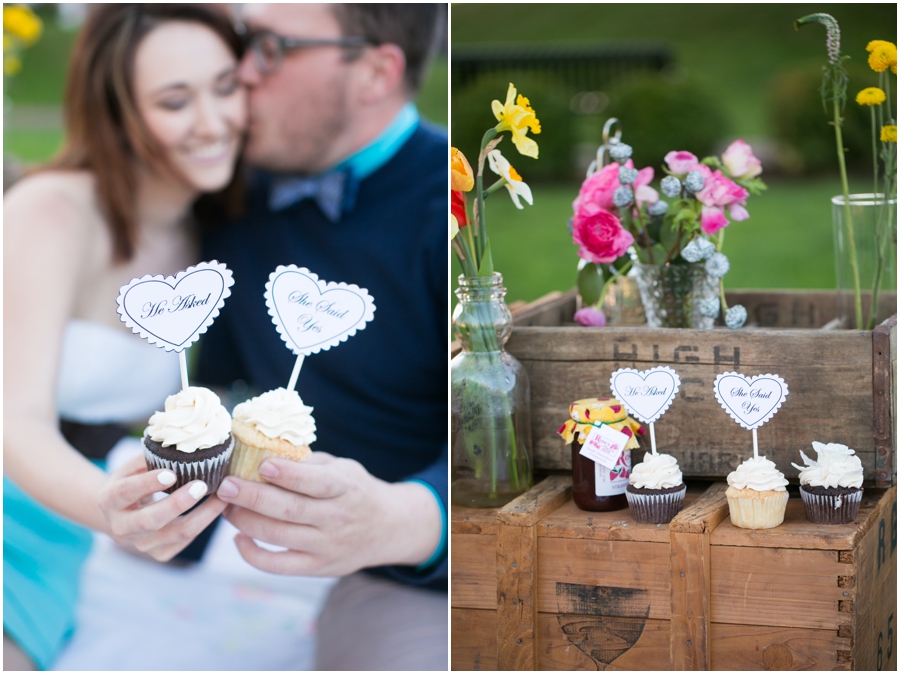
(377,153)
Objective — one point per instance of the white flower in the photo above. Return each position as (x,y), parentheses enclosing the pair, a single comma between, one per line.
(454,226)
(735,317)
(709,307)
(514,183)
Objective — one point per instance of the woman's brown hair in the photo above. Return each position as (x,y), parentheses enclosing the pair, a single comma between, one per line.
(104,130)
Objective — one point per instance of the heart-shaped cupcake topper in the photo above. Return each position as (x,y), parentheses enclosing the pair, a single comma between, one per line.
(312,315)
(750,401)
(646,394)
(172,312)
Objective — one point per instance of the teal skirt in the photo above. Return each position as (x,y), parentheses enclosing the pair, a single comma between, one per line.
(43,555)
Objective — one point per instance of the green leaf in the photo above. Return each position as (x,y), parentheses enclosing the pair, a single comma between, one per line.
(620,263)
(487,263)
(590,283)
(668,234)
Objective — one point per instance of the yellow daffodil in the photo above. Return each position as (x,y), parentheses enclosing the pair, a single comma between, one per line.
(517,117)
(871,96)
(513,181)
(889,133)
(882,55)
(20,21)
(461,177)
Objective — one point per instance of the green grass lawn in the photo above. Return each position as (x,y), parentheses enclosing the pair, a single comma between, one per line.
(786,243)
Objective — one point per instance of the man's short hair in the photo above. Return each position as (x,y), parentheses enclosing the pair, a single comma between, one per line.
(412,27)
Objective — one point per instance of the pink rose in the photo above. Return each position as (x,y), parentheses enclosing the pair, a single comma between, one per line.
(599,235)
(740,162)
(598,189)
(712,219)
(590,317)
(719,193)
(681,163)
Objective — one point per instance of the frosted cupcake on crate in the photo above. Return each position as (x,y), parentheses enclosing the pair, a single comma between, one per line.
(656,490)
(831,486)
(757,494)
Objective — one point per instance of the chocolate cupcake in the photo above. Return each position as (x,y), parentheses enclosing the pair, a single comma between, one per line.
(831,486)
(191,437)
(655,491)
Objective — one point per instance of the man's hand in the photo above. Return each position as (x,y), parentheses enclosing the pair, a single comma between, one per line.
(333,516)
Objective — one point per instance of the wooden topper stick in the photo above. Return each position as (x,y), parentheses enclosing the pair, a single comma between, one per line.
(182,359)
(296,373)
(652,439)
(755,445)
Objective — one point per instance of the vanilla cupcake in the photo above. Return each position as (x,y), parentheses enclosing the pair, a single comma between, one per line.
(191,437)
(756,494)
(274,424)
(655,489)
(831,486)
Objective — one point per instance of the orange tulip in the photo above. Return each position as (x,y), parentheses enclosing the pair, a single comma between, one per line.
(461,177)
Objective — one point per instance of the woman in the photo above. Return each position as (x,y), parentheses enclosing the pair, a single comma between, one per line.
(155,117)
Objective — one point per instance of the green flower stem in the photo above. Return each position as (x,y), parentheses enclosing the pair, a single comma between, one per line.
(854,265)
(874,153)
(643,229)
(719,244)
(493,188)
(489,135)
(619,273)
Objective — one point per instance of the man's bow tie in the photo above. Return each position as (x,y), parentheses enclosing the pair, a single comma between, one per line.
(334,192)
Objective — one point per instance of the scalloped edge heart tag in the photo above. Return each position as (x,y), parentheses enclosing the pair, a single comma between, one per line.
(150,306)
(308,323)
(645,404)
(746,409)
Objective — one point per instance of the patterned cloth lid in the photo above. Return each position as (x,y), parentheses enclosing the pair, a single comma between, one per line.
(592,413)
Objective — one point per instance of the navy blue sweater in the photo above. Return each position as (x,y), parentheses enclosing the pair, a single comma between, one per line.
(380,397)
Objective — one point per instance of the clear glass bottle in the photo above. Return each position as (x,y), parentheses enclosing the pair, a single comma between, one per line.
(490,462)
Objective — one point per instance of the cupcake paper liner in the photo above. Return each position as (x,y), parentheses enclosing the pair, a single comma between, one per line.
(758,513)
(831,509)
(655,508)
(211,471)
(246,459)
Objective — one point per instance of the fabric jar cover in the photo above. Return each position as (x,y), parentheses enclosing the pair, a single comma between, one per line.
(590,413)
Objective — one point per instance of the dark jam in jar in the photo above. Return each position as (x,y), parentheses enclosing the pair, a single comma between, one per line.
(584,481)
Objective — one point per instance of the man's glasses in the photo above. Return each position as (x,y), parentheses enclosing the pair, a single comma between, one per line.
(269,48)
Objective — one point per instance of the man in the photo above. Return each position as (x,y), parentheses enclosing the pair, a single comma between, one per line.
(351,185)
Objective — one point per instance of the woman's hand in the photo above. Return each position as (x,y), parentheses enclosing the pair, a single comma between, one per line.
(154,528)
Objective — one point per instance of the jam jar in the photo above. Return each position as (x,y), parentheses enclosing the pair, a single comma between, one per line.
(594,486)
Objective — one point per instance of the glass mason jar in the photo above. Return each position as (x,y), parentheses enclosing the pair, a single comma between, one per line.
(865,264)
(490,397)
(671,294)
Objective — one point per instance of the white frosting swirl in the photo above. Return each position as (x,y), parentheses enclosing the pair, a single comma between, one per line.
(279,414)
(656,471)
(193,419)
(837,466)
(758,473)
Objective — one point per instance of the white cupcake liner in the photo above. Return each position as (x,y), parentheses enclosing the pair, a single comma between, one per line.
(655,508)
(211,471)
(831,509)
(758,513)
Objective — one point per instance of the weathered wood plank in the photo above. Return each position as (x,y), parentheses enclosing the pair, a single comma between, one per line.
(554,308)
(875,606)
(473,571)
(516,608)
(800,308)
(797,532)
(537,502)
(613,578)
(473,640)
(473,520)
(690,647)
(584,642)
(745,647)
(882,388)
(776,587)
(704,514)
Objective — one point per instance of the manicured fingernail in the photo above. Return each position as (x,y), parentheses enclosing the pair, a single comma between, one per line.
(268,469)
(227,489)
(167,478)
(197,489)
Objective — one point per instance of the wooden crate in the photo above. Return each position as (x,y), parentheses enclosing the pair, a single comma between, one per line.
(567,362)
(540,584)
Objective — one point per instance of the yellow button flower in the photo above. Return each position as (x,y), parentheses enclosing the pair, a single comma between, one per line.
(461,177)
(871,96)
(882,55)
(23,23)
(11,65)
(517,116)
(513,181)
(889,133)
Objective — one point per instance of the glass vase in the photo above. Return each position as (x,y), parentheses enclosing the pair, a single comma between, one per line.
(672,293)
(490,398)
(865,257)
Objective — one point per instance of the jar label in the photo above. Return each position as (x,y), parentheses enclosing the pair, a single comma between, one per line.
(612,481)
(604,445)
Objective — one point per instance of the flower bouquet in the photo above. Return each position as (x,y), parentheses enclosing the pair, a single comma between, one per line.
(673,248)
(490,396)
(864,224)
